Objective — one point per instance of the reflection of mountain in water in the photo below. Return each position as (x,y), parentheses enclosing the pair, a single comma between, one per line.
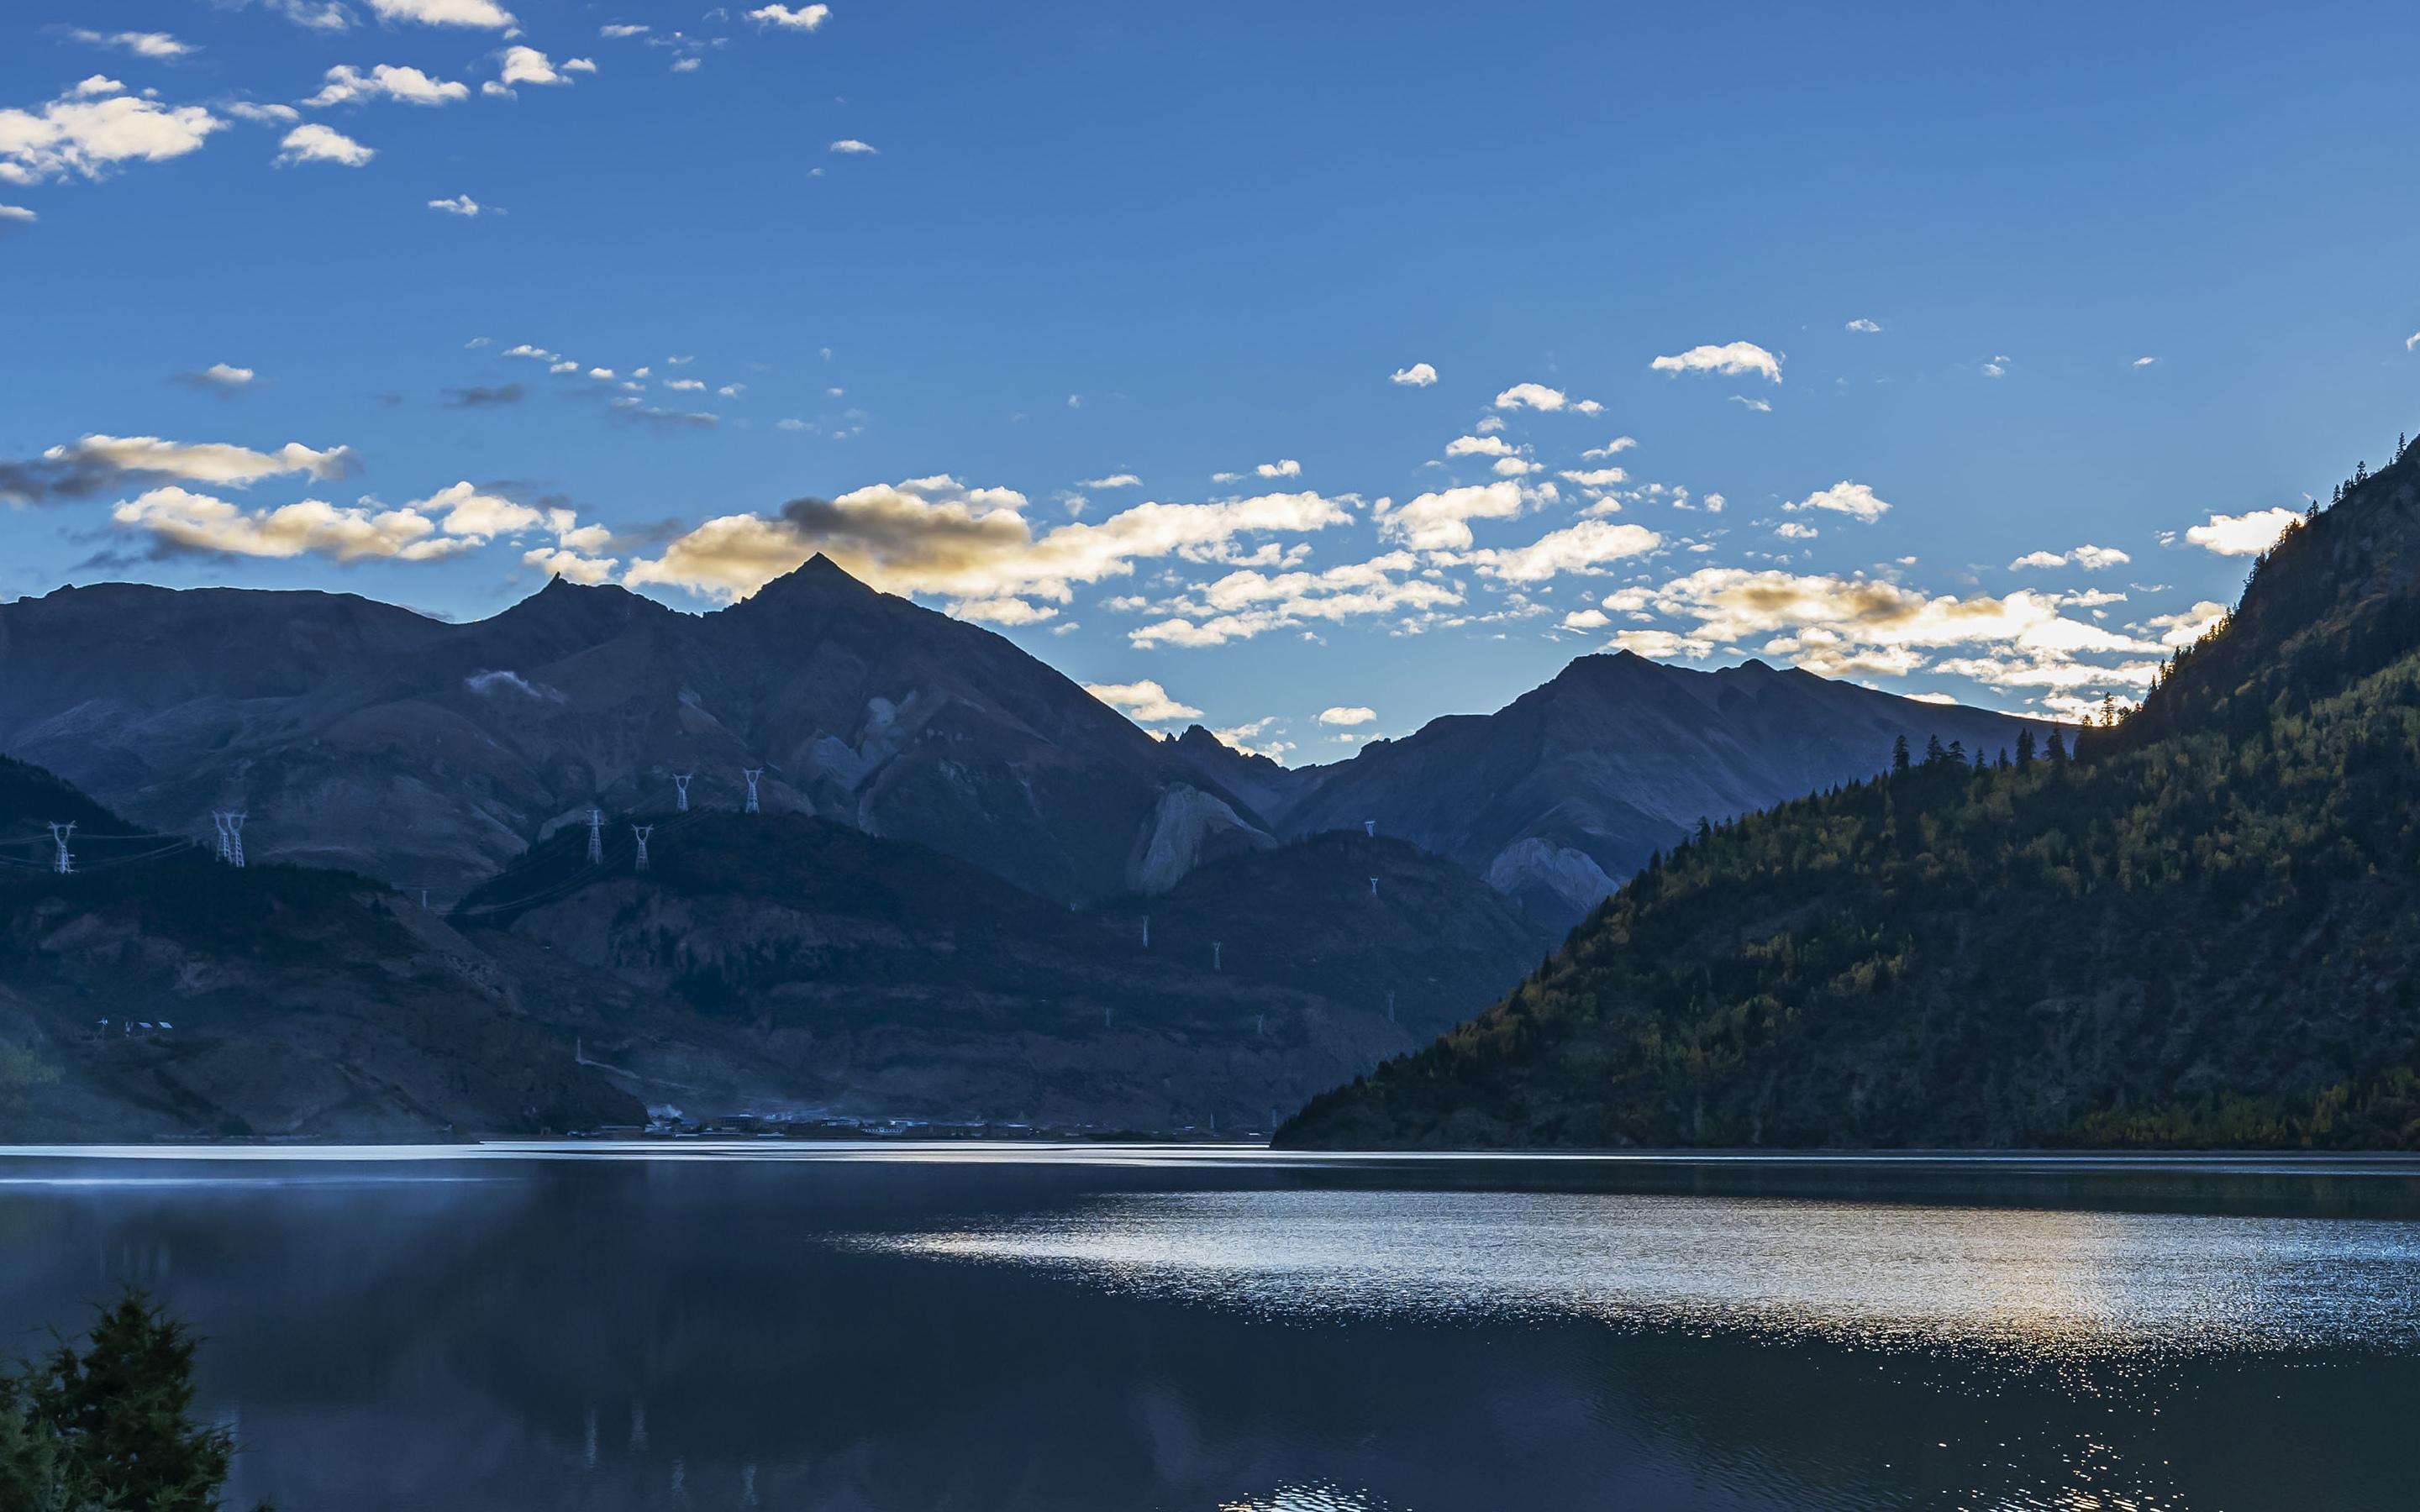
(683,1333)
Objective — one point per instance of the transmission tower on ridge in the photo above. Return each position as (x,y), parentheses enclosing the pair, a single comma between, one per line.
(230,835)
(642,831)
(680,781)
(1215,948)
(752,775)
(1369,828)
(596,837)
(59,833)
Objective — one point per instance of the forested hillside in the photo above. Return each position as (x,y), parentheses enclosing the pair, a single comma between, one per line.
(2198,929)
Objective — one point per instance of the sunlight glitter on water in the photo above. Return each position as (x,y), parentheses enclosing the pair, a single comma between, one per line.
(2024,1283)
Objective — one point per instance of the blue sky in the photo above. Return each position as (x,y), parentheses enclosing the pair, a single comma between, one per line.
(1077,242)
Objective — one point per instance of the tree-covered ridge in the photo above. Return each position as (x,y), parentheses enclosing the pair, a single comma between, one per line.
(2200,932)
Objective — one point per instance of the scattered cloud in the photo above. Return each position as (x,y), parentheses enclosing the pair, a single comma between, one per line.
(1145,702)
(527,64)
(1347,714)
(1439,521)
(2242,536)
(98,463)
(1790,530)
(619,29)
(462,205)
(259,115)
(1586,619)
(1862,324)
(314,143)
(804,18)
(1732,358)
(2145,361)
(1249,603)
(936,535)
(1283,468)
(222,378)
(1417,375)
(186,520)
(1762,406)
(142,44)
(486,13)
(2091,558)
(1596,477)
(1844,498)
(1584,546)
(1115,480)
(1612,448)
(850,145)
(1661,644)
(1996,367)
(16,215)
(1247,738)
(1490,445)
(1539,396)
(2187,625)
(348,86)
(87,137)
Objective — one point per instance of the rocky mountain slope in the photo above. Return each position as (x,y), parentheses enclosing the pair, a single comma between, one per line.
(369,737)
(2200,932)
(777,962)
(363,735)
(1560,795)
(772,963)
(156,993)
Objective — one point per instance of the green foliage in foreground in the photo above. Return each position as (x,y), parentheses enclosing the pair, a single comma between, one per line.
(107,1427)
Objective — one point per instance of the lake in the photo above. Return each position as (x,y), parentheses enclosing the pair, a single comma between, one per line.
(773,1324)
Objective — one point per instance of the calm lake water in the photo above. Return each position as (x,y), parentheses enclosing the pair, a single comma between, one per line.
(523,1328)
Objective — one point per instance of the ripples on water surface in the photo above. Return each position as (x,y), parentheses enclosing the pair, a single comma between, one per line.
(843,1329)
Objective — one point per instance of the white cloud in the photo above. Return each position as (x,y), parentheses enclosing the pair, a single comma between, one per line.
(97,462)
(1531,397)
(1996,367)
(142,44)
(623,28)
(1347,714)
(96,85)
(2411,340)
(2145,361)
(565,365)
(936,535)
(226,375)
(314,15)
(245,110)
(1586,619)
(445,12)
(89,136)
(1516,467)
(17,215)
(1596,477)
(1584,546)
(1249,603)
(1762,406)
(457,205)
(1439,522)
(534,353)
(1417,375)
(1867,326)
(2243,535)
(2187,625)
(2091,558)
(1115,480)
(571,567)
(1730,359)
(1612,448)
(1145,702)
(314,143)
(1479,446)
(1285,467)
(850,144)
(1247,738)
(804,18)
(346,532)
(527,64)
(347,85)
(1661,643)
(1844,498)
(1790,530)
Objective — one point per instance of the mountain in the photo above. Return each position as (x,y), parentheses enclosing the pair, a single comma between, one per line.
(365,736)
(294,1001)
(771,963)
(1558,797)
(777,961)
(2201,931)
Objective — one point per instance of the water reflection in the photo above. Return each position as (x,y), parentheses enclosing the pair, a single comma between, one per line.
(723,1328)
(2026,1284)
